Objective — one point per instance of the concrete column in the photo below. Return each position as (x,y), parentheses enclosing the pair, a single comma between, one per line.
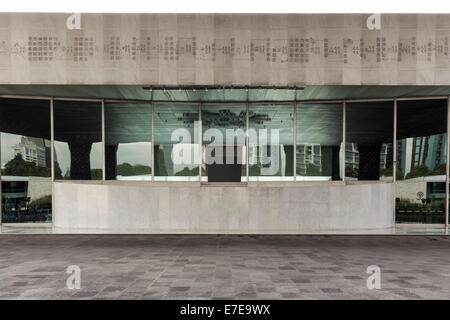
(289,151)
(335,165)
(80,162)
(110,162)
(160,168)
(369,162)
(330,161)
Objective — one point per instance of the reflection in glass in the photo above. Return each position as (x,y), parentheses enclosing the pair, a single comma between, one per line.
(224,143)
(26,191)
(78,136)
(25,138)
(369,136)
(176,135)
(421,161)
(128,141)
(271,141)
(26,200)
(319,140)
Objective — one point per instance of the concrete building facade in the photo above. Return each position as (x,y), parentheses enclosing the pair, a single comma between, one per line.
(308,109)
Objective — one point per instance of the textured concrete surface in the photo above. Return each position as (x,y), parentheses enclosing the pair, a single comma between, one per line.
(237,267)
(291,209)
(253,49)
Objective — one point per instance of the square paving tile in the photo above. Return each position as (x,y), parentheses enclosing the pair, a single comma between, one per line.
(224,267)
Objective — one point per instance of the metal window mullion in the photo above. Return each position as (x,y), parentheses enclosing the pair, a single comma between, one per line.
(152,144)
(78,99)
(86,99)
(422,98)
(52,141)
(52,157)
(200,143)
(246,143)
(295,141)
(1,195)
(103,143)
(344,123)
(394,164)
(12,96)
(447,164)
(247,139)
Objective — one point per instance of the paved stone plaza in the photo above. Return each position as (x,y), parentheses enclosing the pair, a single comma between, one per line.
(224,267)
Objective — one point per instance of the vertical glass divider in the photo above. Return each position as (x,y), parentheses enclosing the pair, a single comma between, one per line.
(394,156)
(152,144)
(200,143)
(295,141)
(103,143)
(344,147)
(246,144)
(1,195)
(52,157)
(394,147)
(52,141)
(447,164)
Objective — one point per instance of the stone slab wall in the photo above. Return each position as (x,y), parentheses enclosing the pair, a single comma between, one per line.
(82,207)
(225,49)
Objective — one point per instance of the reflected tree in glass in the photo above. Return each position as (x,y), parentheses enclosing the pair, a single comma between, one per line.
(26,193)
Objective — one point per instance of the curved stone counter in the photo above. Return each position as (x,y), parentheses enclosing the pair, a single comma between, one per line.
(178,208)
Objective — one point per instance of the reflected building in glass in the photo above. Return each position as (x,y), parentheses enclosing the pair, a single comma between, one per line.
(25,153)
(426,151)
(309,160)
(33,150)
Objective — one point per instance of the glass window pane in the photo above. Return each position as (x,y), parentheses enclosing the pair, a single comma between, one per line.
(78,140)
(369,140)
(224,143)
(26,201)
(271,142)
(128,147)
(26,194)
(25,138)
(319,141)
(421,161)
(176,135)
